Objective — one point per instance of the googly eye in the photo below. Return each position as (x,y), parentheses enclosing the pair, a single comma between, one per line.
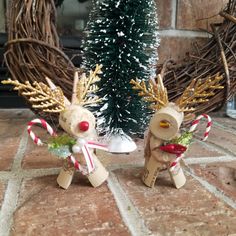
(83,126)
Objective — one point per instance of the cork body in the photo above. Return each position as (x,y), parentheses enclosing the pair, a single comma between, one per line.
(99,175)
(69,120)
(177,176)
(155,159)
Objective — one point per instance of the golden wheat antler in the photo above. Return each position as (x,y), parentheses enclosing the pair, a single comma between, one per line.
(156,93)
(40,95)
(86,86)
(198,92)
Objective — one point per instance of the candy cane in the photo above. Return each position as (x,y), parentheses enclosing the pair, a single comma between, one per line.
(175,162)
(38,141)
(193,128)
(196,122)
(84,146)
(44,124)
(77,165)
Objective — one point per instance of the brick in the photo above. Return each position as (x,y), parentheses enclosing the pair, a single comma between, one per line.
(200,150)
(137,157)
(7,114)
(226,122)
(164,11)
(191,16)
(10,135)
(133,158)
(221,175)
(191,210)
(220,137)
(176,48)
(37,157)
(81,210)
(2,192)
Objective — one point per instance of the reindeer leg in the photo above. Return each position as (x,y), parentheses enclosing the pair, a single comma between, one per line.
(66,174)
(151,170)
(177,176)
(99,175)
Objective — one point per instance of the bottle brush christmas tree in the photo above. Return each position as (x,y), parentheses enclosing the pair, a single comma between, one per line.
(122,36)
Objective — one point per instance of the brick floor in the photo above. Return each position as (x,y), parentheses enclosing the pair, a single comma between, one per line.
(225,122)
(134,158)
(35,205)
(37,157)
(221,137)
(2,191)
(81,210)
(197,149)
(10,134)
(9,114)
(191,210)
(222,175)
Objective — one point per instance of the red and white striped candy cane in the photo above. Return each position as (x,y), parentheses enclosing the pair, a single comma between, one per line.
(175,162)
(84,147)
(77,165)
(196,122)
(193,128)
(38,141)
(44,124)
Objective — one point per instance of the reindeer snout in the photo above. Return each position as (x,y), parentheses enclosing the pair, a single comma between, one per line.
(83,126)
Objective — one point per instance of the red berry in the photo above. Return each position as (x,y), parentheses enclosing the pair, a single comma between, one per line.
(83,126)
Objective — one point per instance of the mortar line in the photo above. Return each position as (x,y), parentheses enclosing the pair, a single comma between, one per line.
(215,147)
(16,166)
(124,166)
(34,173)
(190,160)
(227,129)
(13,189)
(183,33)
(129,213)
(212,189)
(31,173)
(206,160)
(9,205)
(174,7)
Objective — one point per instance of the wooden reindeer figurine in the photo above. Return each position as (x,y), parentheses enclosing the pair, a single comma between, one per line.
(164,141)
(76,120)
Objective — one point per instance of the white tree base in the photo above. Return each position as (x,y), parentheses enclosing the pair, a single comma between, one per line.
(121,143)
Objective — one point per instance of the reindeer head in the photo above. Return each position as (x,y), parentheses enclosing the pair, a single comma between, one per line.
(74,118)
(169,116)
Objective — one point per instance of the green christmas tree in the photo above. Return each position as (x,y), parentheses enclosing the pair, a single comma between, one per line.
(122,36)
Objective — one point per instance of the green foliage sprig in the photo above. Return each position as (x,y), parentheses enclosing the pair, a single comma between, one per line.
(185,139)
(62,140)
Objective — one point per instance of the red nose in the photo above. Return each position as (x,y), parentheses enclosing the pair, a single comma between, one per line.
(83,126)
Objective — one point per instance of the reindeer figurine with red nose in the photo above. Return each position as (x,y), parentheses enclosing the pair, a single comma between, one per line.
(77,146)
(165,144)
